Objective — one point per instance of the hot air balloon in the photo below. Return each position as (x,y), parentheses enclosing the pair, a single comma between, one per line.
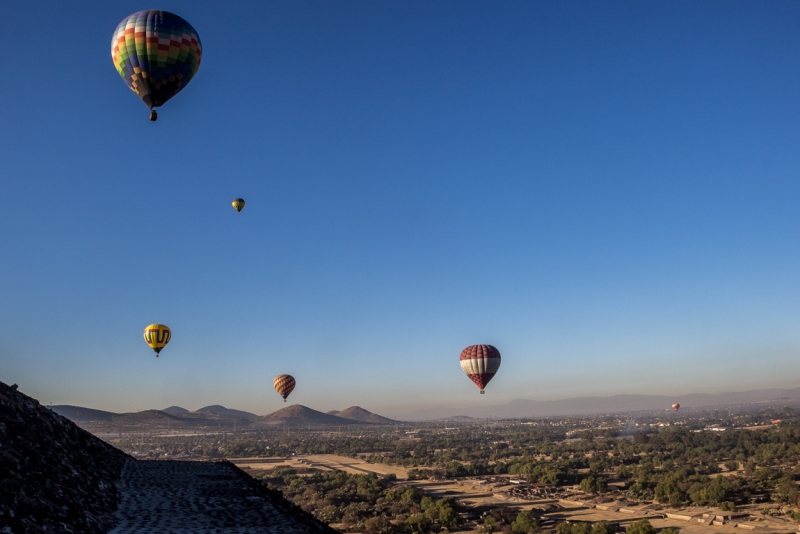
(157,336)
(480,363)
(676,407)
(238,204)
(284,384)
(157,54)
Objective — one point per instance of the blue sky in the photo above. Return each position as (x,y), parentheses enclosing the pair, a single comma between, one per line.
(607,192)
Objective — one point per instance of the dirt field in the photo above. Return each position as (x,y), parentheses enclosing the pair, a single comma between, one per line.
(323,462)
(657,518)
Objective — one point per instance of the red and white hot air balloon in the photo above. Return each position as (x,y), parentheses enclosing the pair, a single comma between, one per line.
(480,363)
(676,407)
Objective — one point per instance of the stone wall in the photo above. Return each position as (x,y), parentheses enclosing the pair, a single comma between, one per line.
(54,476)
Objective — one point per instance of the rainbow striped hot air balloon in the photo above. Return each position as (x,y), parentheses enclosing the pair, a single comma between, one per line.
(157,336)
(157,54)
(480,363)
(284,384)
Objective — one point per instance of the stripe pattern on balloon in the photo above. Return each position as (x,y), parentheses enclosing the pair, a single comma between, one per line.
(480,363)
(284,384)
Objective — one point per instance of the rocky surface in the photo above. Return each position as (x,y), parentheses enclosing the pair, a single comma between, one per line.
(54,476)
(162,497)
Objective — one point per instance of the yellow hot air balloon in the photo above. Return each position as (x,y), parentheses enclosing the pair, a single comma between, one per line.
(284,384)
(157,336)
(238,204)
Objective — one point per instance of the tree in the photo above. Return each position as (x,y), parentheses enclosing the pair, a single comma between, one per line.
(642,526)
(602,527)
(489,525)
(410,496)
(728,506)
(448,517)
(669,530)
(418,524)
(592,484)
(573,528)
(378,525)
(525,523)
(330,514)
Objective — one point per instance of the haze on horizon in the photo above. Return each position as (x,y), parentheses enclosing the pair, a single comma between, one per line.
(606,192)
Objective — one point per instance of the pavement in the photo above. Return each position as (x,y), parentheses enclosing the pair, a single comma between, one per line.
(173,497)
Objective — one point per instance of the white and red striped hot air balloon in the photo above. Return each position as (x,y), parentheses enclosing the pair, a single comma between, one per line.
(676,407)
(480,363)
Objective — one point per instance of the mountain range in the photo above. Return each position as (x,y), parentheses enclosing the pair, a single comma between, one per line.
(525,408)
(295,415)
(519,408)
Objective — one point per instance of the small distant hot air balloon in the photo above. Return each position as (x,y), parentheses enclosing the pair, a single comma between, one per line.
(157,54)
(238,204)
(676,407)
(480,363)
(157,336)
(284,384)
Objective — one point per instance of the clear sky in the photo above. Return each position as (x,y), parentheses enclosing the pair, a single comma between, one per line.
(606,191)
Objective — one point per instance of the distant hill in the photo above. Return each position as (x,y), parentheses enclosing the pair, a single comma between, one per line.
(148,417)
(299,415)
(80,415)
(357,413)
(175,410)
(208,418)
(216,409)
(614,404)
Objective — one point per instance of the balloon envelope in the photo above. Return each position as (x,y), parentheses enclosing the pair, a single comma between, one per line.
(480,363)
(676,407)
(238,204)
(156,53)
(157,336)
(284,384)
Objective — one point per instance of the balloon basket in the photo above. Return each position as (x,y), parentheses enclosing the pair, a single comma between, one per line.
(482,392)
(153,115)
